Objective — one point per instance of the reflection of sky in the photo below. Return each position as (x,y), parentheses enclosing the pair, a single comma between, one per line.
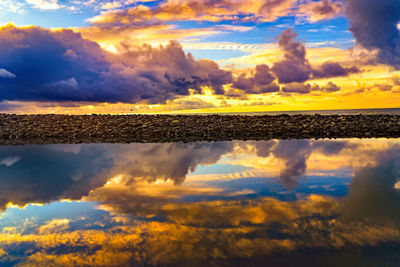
(33,216)
(65,201)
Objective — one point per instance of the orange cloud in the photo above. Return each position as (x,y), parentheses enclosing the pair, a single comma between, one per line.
(216,11)
(180,10)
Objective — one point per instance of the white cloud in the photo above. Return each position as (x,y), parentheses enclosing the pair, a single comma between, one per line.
(6,74)
(11,6)
(69,83)
(44,4)
(121,3)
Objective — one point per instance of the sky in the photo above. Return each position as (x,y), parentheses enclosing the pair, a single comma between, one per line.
(186,56)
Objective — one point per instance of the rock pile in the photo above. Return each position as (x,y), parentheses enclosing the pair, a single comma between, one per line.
(45,129)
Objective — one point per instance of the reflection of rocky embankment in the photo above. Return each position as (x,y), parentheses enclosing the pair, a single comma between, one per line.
(24,129)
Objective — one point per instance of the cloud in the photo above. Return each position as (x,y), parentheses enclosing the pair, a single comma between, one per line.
(114,4)
(62,66)
(217,11)
(330,87)
(12,6)
(70,83)
(294,67)
(315,11)
(299,88)
(115,38)
(260,82)
(208,10)
(154,24)
(373,24)
(6,74)
(44,4)
(333,69)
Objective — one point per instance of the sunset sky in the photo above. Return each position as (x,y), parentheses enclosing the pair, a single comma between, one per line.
(128,56)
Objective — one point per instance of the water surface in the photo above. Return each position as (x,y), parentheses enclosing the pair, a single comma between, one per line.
(240,203)
(373,111)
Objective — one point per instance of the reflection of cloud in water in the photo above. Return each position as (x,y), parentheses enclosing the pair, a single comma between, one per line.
(166,161)
(372,193)
(9,161)
(215,233)
(46,173)
(295,153)
(252,232)
(42,174)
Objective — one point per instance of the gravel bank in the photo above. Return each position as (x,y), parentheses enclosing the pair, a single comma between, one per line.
(46,129)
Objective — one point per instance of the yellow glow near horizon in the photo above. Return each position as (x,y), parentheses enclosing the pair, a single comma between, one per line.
(374,87)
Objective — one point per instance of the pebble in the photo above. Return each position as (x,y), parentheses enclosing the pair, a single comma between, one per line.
(52,129)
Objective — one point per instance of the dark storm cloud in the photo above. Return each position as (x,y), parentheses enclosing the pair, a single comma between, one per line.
(174,71)
(294,67)
(38,64)
(330,87)
(260,82)
(373,24)
(299,88)
(62,66)
(333,69)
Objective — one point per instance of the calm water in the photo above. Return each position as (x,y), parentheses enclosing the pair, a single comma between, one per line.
(393,111)
(264,203)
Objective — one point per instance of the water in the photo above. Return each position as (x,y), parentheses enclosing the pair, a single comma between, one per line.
(393,111)
(240,203)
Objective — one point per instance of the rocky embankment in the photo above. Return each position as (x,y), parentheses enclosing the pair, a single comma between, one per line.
(46,129)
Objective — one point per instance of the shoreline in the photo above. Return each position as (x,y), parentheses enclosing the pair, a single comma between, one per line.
(70,129)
